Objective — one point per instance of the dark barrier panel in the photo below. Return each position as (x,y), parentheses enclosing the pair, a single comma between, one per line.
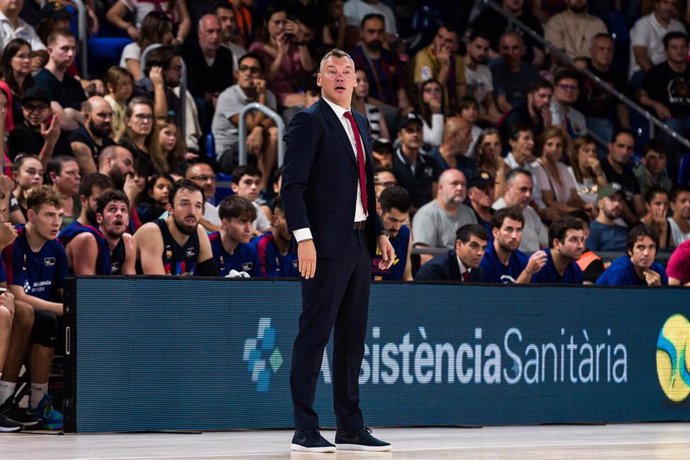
(185,354)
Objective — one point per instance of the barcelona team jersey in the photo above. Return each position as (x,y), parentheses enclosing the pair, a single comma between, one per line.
(272,263)
(177,260)
(495,272)
(549,274)
(243,259)
(68,233)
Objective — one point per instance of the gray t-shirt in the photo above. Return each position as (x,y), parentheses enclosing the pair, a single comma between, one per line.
(534,234)
(231,102)
(434,227)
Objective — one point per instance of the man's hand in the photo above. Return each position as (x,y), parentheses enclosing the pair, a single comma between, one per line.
(306,256)
(536,262)
(662,111)
(387,252)
(652,278)
(52,132)
(156,75)
(255,141)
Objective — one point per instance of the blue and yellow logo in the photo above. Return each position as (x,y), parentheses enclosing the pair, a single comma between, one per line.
(672,359)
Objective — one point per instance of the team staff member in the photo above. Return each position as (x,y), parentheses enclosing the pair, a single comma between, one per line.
(461,264)
(328,192)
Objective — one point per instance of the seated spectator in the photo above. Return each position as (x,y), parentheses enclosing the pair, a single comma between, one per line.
(231,248)
(156,28)
(647,48)
(488,157)
(178,245)
(88,141)
(480,194)
(431,110)
(66,93)
(356,12)
(503,262)
(436,222)
(27,172)
(590,263)
(572,30)
(618,168)
(512,76)
(360,96)
(333,31)
(203,175)
(638,267)
(63,172)
(209,68)
(558,189)
(105,249)
(439,61)
(15,27)
(262,134)
(162,75)
(176,10)
(383,179)
(152,202)
(119,84)
(457,136)
(480,83)
(416,172)
(651,172)
(585,168)
(663,89)
(566,84)
(382,153)
(394,205)
(461,264)
(277,259)
(173,147)
(285,57)
(468,110)
(534,114)
(602,111)
(678,266)
(39,132)
(521,155)
(141,137)
(15,68)
(245,183)
(383,68)
(117,163)
(606,232)
(680,217)
(519,187)
(34,282)
(657,203)
(566,244)
(228,26)
(495,23)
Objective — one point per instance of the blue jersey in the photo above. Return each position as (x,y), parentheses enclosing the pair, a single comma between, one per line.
(622,273)
(549,274)
(495,272)
(68,233)
(244,258)
(40,273)
(272,263)
(401,244)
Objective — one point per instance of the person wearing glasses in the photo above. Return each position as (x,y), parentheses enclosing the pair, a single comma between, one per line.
(141,137)
(565,95)
(262,134)
(203,175)
(37,134)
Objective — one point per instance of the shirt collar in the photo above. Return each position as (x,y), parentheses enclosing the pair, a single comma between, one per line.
(339,111)
(463,269)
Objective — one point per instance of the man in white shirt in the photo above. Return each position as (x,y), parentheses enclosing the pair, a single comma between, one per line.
(12,26)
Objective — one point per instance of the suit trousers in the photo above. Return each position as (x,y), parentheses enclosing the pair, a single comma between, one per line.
(337,299)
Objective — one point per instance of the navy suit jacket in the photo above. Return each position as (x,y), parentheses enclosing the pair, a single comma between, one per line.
(445,268)
(320,175)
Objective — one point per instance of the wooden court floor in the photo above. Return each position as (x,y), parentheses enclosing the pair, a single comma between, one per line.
(629,441)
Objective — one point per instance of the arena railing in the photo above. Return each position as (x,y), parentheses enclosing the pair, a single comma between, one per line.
(82,24)
(653,121)
(243,130)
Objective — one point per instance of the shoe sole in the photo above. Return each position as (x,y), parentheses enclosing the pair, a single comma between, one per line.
(361,447)
(318,450)
(4,429)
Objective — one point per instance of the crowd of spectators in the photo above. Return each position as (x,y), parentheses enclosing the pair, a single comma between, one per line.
(500,153)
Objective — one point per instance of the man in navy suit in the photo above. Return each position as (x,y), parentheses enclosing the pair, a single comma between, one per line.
(330,206)
(459,265)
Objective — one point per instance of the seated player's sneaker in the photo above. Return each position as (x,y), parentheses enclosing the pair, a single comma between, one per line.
(311,441)
(360,440)
(48,417)
(7,425)
(11,409)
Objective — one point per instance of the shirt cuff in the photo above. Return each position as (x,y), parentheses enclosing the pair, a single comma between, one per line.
(302,234)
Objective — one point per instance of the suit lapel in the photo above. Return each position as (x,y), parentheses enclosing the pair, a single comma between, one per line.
(332,119)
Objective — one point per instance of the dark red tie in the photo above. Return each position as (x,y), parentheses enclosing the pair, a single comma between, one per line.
(360,160)
(465,276)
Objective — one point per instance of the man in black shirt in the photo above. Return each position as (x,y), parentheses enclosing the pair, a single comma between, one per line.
(618,168)
(39,133)
(88,141)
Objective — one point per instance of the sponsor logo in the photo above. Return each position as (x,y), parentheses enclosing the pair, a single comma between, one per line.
(262,356)
(672,362)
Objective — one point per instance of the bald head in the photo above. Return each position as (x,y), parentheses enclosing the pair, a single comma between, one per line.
(116,162)
(98,116)
(209,33)
(452,188)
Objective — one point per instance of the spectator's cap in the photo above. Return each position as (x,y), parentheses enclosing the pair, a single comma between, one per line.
(382,146)
(36,93)
(609,190)
(408,119)
(482,180)
(55,10)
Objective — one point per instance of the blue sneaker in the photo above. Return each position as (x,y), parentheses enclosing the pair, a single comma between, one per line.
(48,417)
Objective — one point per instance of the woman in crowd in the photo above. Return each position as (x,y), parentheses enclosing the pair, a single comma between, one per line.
(176,10)
(585,168)
(557,186)
(487,156)
(16,72)
(173,147)
(657,203)
(468,110)
(286,57)
(153,199)
(432,111)
(377,122)
(27,172)
(141,137)
(155,28)
(680,219)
